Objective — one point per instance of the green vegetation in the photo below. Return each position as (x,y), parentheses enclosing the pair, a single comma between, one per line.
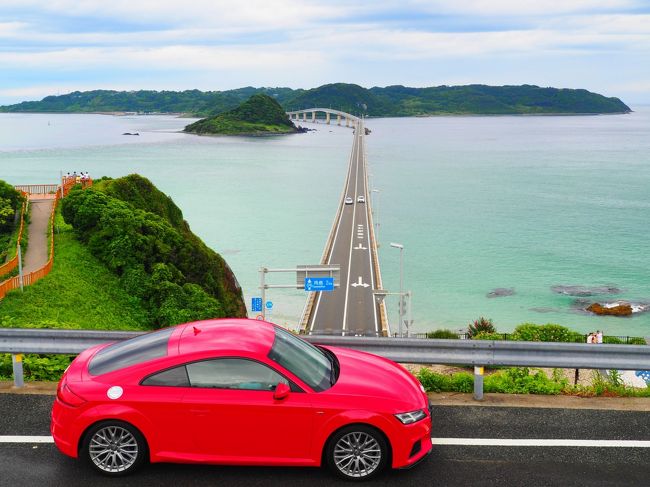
(195,102)
(11,202)
(523,380)
(442,334)
(260,114)
(157,258)
(36,367)
(483,329)
(389,101)
(79,293)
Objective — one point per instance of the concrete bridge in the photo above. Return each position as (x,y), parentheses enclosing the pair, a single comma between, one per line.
(309,114)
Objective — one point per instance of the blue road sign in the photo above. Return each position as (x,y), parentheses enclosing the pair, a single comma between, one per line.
(269,305)
(256,304)
(319,284)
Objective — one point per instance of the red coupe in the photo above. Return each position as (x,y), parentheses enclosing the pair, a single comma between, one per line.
(239,392)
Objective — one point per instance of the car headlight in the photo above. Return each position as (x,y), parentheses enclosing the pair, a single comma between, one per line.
(412,417)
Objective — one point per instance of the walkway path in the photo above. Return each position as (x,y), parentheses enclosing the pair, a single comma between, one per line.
(37,249)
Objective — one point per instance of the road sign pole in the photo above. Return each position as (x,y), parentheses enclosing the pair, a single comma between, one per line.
(263,290)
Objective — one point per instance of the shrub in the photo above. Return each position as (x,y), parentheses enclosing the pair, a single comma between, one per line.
(480,325)
(635,341)
(530,332)
(484,335)
(445,334)
(520,380)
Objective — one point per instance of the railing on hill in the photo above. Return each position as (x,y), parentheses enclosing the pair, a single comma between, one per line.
(67,183)
(32,277)
(11,264)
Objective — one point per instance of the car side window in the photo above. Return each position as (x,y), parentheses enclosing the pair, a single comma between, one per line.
(233,373)
(176,377)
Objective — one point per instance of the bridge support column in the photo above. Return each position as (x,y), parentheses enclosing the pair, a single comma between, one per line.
(347,122)
(313,117)
(338,119)
(327,118)
(304,116)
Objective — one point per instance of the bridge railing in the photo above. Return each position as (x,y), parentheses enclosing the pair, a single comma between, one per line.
(477,353)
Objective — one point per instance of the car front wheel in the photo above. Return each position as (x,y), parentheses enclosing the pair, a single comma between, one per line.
(357,452)
(114,448)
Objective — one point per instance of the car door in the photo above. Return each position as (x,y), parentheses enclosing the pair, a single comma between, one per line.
(236,418)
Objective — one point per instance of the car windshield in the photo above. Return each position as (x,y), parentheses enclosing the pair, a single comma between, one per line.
(302,359)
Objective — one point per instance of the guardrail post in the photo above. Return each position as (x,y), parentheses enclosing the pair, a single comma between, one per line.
(17,362)
(478,383)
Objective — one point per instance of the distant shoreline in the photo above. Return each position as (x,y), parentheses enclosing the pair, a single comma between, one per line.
(433,115)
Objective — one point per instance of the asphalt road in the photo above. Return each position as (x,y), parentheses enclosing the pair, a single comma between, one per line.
(461,465)
(351,309)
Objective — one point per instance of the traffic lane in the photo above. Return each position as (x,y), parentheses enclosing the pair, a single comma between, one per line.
(25,415)
(327,316)
(446,466)
(549,423)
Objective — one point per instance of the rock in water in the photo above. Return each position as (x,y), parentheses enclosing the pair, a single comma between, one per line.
(500,292)
(585,290)
(618,309)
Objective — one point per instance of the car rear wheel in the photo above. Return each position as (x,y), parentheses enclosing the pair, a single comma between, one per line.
(114,448)
(357,452)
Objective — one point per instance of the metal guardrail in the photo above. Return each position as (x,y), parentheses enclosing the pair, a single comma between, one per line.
(478,353)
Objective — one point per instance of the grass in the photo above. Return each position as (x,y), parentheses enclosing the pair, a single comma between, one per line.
(79,293)
(522,380)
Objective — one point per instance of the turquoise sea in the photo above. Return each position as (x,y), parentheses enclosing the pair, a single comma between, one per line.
(517,202)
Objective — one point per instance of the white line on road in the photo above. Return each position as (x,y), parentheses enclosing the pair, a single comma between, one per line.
(26,439)
(446,441)
(540,442)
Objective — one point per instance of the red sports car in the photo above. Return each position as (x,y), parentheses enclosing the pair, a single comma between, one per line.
(239,392)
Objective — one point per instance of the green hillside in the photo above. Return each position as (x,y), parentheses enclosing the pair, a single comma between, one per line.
(389,101)
(260,114)
(139,234)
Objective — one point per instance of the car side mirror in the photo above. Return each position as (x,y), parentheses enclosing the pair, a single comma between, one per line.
(281,391)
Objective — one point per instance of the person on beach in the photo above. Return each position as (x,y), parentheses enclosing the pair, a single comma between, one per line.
(599,336)
(590,338)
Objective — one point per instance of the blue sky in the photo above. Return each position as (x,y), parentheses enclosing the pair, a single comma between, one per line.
(60,46)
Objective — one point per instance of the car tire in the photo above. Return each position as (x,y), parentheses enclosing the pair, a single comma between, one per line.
(357,452)
(114,448)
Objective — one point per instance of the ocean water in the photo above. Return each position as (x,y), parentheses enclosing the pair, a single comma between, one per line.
(523,203)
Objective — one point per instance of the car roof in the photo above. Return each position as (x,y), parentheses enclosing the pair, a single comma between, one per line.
(236,335)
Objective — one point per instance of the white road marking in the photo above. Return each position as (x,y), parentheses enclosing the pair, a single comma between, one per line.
(446,441)
(541,442)
(359,283)
(26,439)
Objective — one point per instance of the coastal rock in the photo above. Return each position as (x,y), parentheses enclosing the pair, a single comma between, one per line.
(129,133)
(584,290)
(615,309)
(500,292)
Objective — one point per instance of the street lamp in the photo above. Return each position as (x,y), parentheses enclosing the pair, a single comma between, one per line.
(401,283)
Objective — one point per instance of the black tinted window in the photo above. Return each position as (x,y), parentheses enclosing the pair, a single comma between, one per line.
(232,373)
(176,377)
(130,352)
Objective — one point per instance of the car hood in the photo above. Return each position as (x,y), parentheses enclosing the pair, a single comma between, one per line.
(370,375)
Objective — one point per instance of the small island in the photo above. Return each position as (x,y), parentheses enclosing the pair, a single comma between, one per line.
(259,115)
